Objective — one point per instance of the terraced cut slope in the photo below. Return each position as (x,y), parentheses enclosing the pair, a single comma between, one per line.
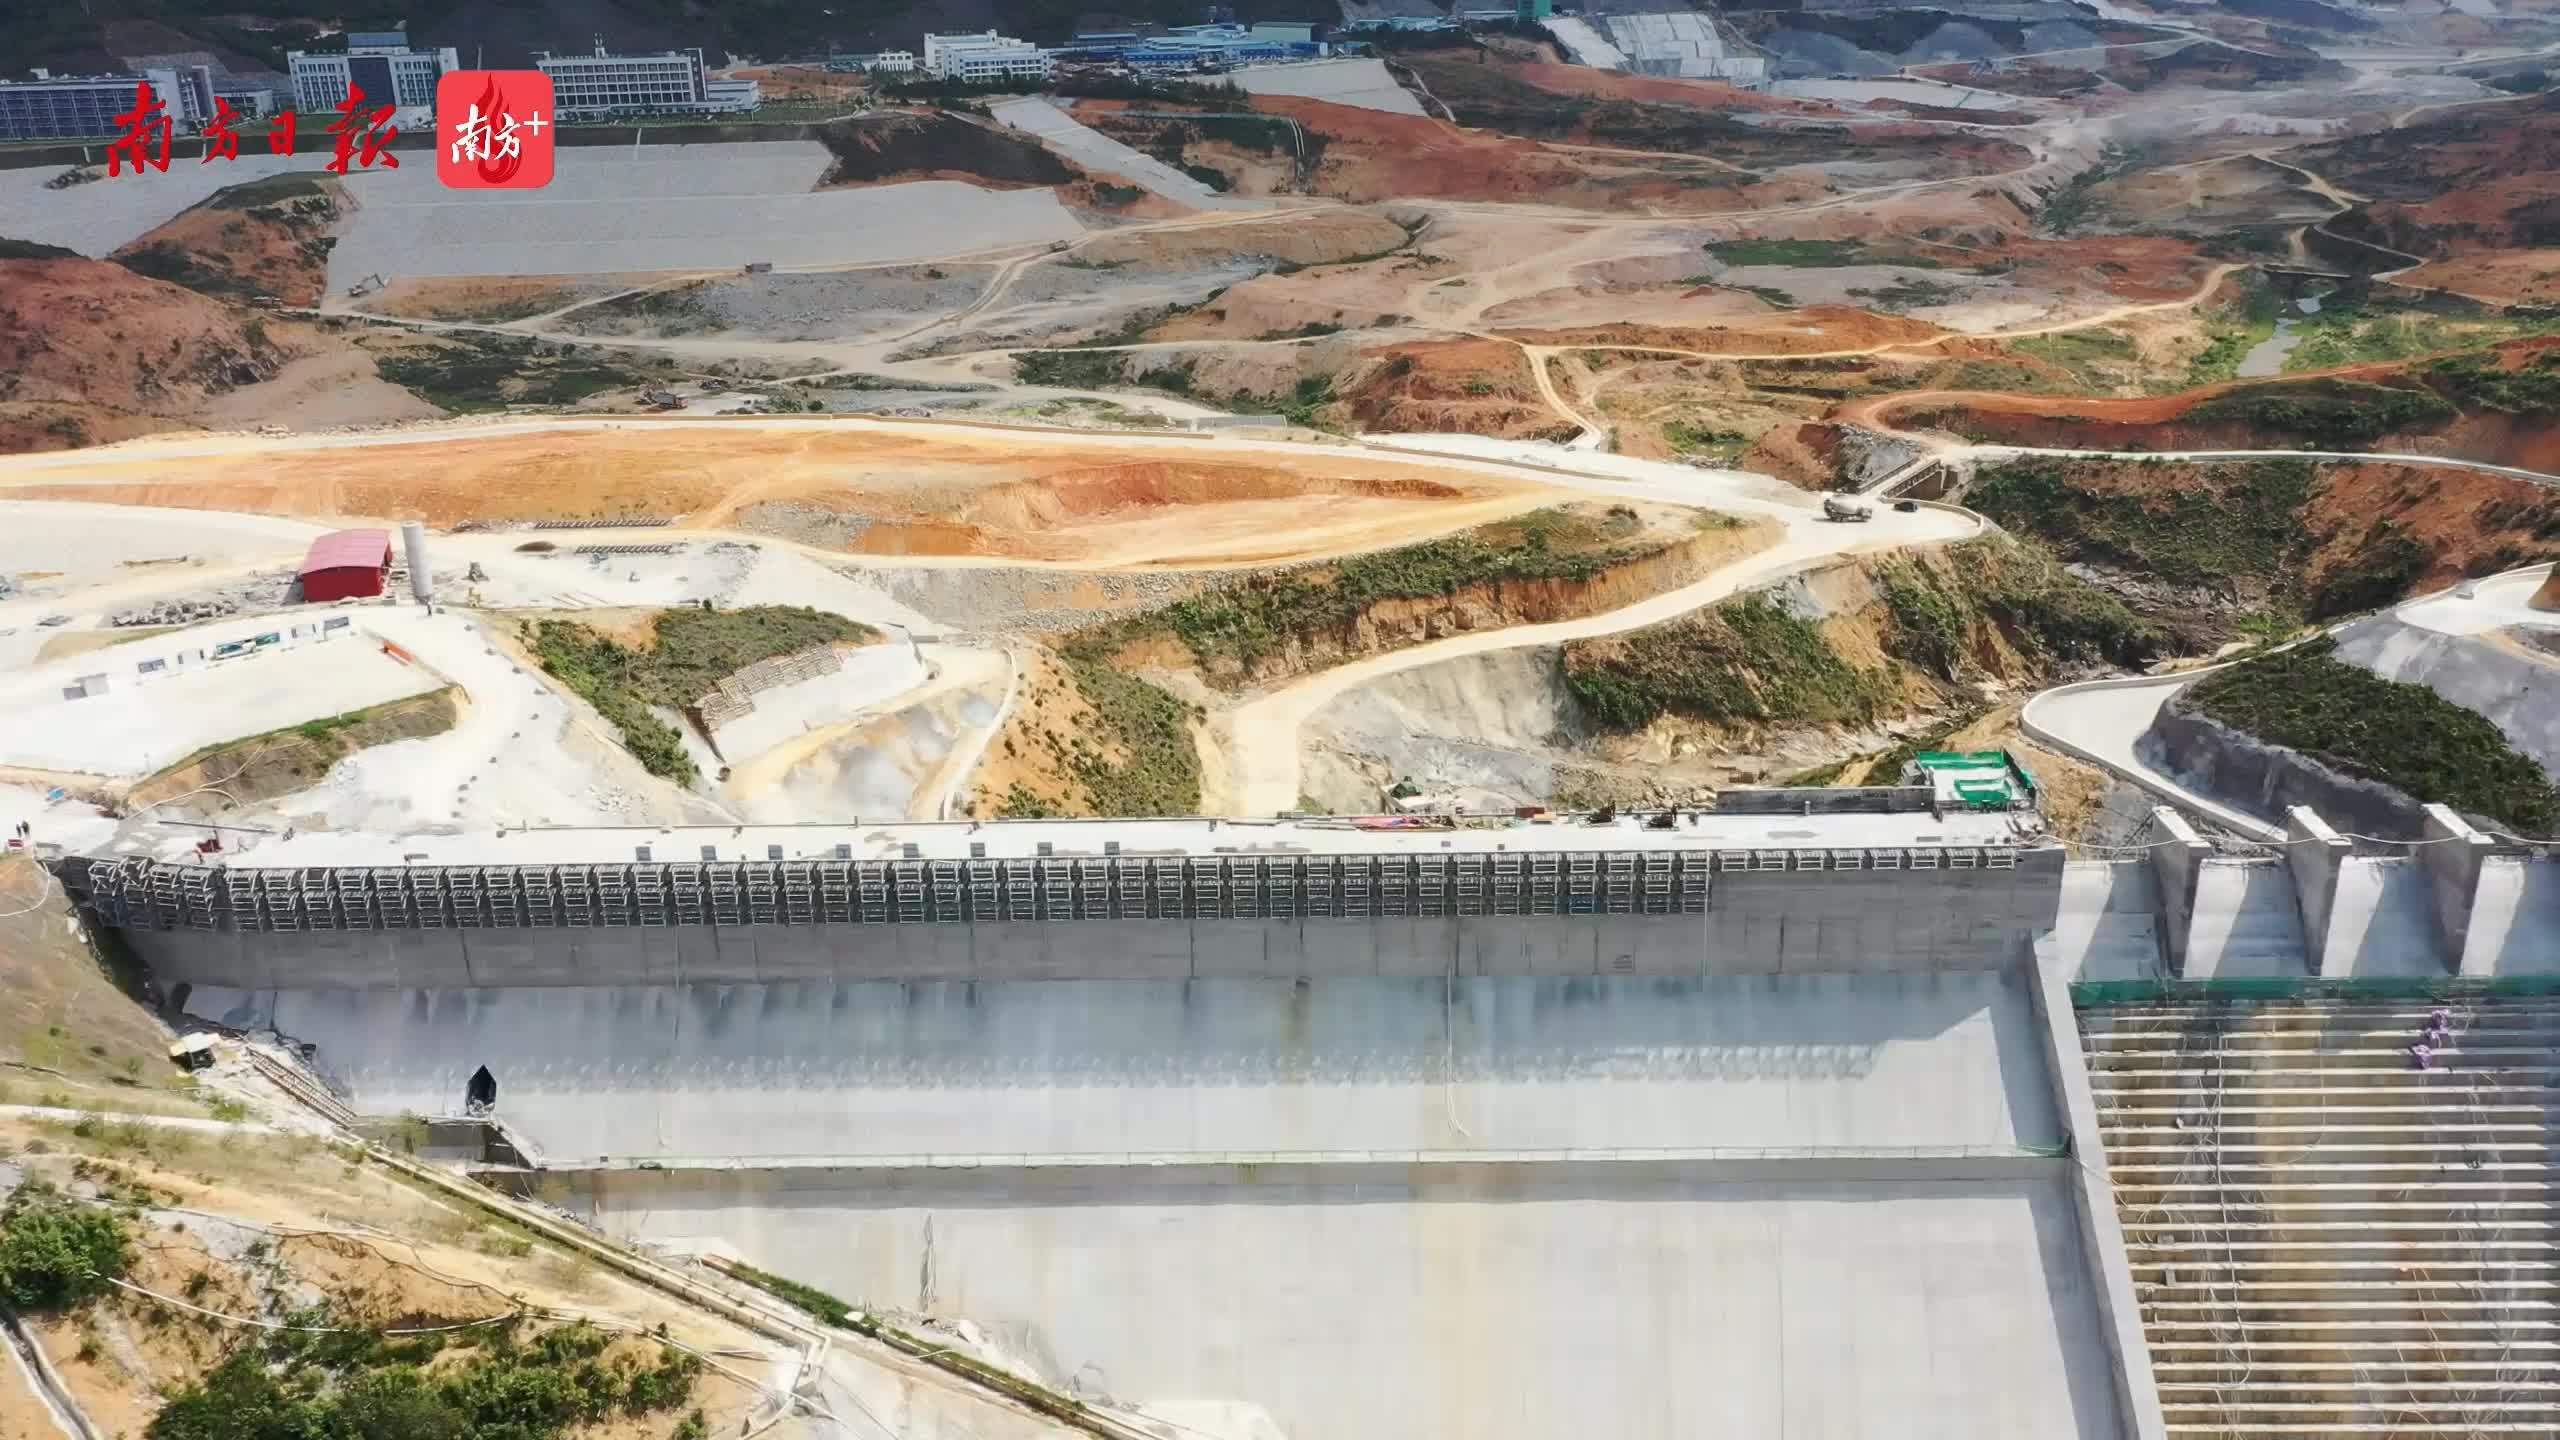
(2326,1239)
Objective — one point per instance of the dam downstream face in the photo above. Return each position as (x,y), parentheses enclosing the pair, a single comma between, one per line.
(856,1068)
(1236,1272)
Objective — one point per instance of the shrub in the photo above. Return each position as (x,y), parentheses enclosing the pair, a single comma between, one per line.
(2403,735)
(56,1252)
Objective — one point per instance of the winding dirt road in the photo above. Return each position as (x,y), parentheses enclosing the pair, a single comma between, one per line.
(1261,735)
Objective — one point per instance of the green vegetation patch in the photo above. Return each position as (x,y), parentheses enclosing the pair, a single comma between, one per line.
(2227,521)
(30,250)
(2095,359)
(1748,661)
(1753,661)
(2478,382)
(360,1385)
(1156,770)
(694,651)
(2326,414)
(56,1252)
(2233,330)
(2356,327)
(1688,439)
(2019,587)
(1241,626)
(481,373)
(1812,254)
(2403,735)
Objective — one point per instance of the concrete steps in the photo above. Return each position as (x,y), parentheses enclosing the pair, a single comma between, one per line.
(2326,1240)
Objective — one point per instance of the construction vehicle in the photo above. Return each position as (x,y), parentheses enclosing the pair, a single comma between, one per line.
(1844,511)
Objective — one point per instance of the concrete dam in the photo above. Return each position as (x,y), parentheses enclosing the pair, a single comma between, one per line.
(1755,1123)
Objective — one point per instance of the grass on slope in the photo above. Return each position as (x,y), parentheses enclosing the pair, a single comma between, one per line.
(1242,625)
(1752,661)
(2241,526)
(2403,735)
(1748,661)
(691,651)
(2325,414)
(2351,329)
(2233,520)
(2232,331)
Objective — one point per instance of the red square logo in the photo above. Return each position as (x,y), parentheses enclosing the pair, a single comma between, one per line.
(493,129)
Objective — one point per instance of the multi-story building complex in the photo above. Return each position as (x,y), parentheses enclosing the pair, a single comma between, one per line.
(668,82)
(984,56)
(382,64)
(80,107)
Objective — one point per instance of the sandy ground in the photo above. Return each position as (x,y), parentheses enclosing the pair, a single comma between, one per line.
(895,490)
(318,392)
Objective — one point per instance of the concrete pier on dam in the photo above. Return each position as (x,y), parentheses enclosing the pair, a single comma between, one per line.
(1738,1123)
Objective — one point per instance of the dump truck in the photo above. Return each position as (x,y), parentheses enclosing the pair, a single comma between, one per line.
(1835,508)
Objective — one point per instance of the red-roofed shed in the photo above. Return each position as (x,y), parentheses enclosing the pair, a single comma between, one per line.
(346,565)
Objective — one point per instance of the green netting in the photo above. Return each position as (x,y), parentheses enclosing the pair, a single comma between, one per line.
(1960,759)
(2098,994)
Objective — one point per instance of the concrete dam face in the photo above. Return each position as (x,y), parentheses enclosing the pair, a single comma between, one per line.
(1482,1151)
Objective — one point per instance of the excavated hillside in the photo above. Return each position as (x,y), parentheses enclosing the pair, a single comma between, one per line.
(889,146)
(1553,564)
(1369,156)
(91,350)
(268,239)
(1487,91)
(1471,387)
(2495,405)
(2216,552)
(2456,181)
(1824,678)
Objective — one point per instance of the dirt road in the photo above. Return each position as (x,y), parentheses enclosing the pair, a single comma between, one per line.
(1261,736)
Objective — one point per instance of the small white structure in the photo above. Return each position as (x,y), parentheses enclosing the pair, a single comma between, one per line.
(984,56)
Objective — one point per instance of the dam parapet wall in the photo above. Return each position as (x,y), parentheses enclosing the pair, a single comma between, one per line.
(1534,901)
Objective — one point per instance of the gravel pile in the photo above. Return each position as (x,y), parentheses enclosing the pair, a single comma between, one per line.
(808,524)
(975,601)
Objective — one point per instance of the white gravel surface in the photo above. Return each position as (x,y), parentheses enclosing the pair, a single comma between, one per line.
(142,724)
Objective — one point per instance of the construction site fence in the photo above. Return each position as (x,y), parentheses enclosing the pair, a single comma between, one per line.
(2101,994)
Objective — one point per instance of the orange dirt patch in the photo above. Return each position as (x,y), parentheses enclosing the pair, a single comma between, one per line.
(1371,156)
(1814,329)
(278,249)
(110,343)
(926,490)
(491,299)
(1474,387)
(2132,267)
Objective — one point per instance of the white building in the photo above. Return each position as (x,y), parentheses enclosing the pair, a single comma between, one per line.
(381,63)
(668,82)
(984,56)
(78,107)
